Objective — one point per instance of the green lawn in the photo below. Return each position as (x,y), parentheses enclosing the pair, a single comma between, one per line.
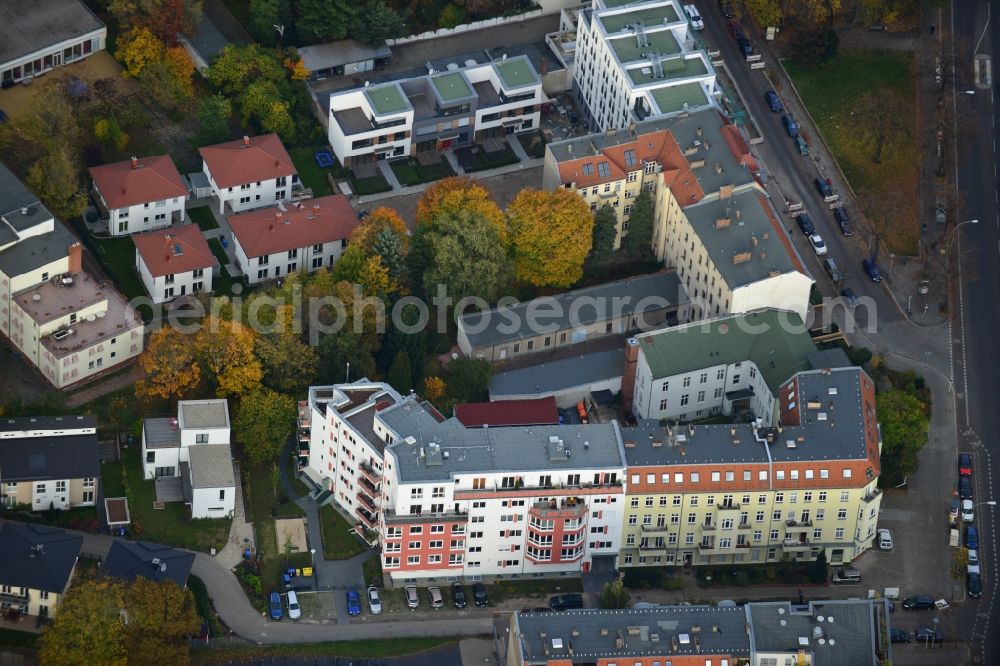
(222,283)
(373,185)
(482,160)
(361,649)
(203,217)
(410,172)
(828,91)
(170,525)
(533,144)
(117,256)
(310,173)
(373,571)
(339,543)
(539,587)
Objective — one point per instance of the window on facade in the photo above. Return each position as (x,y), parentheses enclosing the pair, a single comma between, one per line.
(588,169)
(604,170)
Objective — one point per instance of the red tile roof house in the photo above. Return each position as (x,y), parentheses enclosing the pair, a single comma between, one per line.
(139,194)
(306,236)
(174,262)
(249,173)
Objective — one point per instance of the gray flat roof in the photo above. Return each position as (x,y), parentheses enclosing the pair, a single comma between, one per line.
(769,253)
(36,251)
(493,449)
(848,630)
(47,423)
(161,433)
(591,635)
(344,52)
(558,375)
(203,413)
(28,25)
(211,466)
(837,435)
(508,324)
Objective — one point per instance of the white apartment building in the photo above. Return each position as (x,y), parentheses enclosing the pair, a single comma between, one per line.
(299,238)
(639,60)
(174,262)
(251,173)
(460,105)
(139,194)
(730,365)
(179,447)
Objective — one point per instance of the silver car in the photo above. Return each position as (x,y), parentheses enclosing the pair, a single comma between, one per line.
(374,600)
(412,600)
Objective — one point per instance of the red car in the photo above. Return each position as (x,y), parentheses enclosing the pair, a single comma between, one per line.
(964,464)
(735,29)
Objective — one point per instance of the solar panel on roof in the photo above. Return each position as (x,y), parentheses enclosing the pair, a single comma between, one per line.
(178,250)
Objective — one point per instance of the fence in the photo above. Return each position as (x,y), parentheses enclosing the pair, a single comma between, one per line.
(467,27)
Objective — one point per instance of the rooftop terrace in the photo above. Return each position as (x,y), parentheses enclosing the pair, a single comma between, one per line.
(452,86)
(50,301)
(672,99)
(628,50)
(387,99)
(673,69)
(516,72)
(649,17)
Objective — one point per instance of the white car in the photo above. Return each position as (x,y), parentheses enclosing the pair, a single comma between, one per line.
(973,565)
(374,600)
(884,540)
(696,21)
(294,612)
(819,247)
(968,515)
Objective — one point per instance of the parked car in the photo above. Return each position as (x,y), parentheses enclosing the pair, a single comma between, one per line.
(900,636)
(735,29)
(276,609)
(846,575)
(696,21)
(773,101)
(790,126)
(412,600)
(964,487)
(374,600)
(803,147)
(931,636)
(823,187)
(746,48)
(818,246)
(437,599)
(561,602)
(871,268)
(884,539)
(973,561)
(479,595)
(918,602)
(964,464)
(458,595)
(850,297)
(974,585)
(956,504)
(968,513)
(353,601)
(833,270)
(806,224)
(840,215)
(971,537)
(726,8)
(294,612)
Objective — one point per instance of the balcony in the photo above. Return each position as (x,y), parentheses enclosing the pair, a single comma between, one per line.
(708,528)
(521,490)
(367,502)
(706,546)
(303,450)
(369,519)
(370,473)
(797,525)
(647,547)
(872,496)
(743,526)
(368,486)
(654,528)
(14,600)
(796,545)
(566,508)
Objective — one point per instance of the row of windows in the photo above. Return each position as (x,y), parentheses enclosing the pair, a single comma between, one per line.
(730,476)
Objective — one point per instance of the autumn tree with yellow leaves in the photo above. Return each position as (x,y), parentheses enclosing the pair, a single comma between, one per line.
(225,349)
(550,236)
(169,365)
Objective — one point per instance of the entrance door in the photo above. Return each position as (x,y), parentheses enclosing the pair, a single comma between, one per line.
(164,471)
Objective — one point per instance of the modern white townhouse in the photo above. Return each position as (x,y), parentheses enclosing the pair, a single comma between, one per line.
(174,262)
(299,238)
(250,173)
(139,194)
(456,107)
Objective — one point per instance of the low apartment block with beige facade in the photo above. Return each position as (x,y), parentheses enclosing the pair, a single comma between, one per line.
(49,462)
(38,564)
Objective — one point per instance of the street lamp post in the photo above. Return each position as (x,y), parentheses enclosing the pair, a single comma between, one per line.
(947,237)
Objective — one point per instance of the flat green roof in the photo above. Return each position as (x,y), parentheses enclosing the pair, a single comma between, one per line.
(673,68)
(628,50)
(387,99)
(778,350)
(648,17)
(672,98)
(516,73)
(452,86)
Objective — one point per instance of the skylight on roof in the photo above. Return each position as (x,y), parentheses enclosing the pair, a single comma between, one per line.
(603,170)
(629,157)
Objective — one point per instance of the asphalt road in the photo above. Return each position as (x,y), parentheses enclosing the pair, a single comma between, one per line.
(977,378)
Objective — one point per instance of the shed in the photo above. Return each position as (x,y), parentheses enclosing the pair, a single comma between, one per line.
(348,56)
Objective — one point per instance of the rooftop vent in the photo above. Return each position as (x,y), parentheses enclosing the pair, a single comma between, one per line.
(722,222)
(742,257)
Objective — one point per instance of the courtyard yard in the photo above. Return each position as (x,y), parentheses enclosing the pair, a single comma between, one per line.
(339,543)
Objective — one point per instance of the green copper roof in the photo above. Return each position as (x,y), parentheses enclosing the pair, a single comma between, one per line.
(516,72)
(452,86)
(671,99)
(387,99)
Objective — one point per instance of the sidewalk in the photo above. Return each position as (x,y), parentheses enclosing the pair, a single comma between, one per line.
(417,189)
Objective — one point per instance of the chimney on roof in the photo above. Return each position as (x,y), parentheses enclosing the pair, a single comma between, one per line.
(135,162)
(753,239)
(75,264)
(277,215)
(739,213)
(246,141)
(316,208)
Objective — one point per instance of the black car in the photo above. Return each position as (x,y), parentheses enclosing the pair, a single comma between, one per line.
(458,595)
(918,602)
(964,464)
(562,602)
(746,48)
(930,636)
(479,594)
(964,487)
(806,224)
(974,585)
(840,215)
(850,297)
(823,187)
(900,636)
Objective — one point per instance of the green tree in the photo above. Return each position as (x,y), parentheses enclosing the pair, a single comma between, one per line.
(350,264)
(289,364)
(326,19)
(213,120)
(238,66)
(55,179)
(904,432)
(604,234)
(817,569)
(468,379)
(640,226)
(378,23)
(467,256)
(550,236)
(389,246)
(89,627)
(264,15)
(161,616)
(262,101)
(337,350)
(264,421)
(451,16)
(412,344)
(400,375)
(614,595)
